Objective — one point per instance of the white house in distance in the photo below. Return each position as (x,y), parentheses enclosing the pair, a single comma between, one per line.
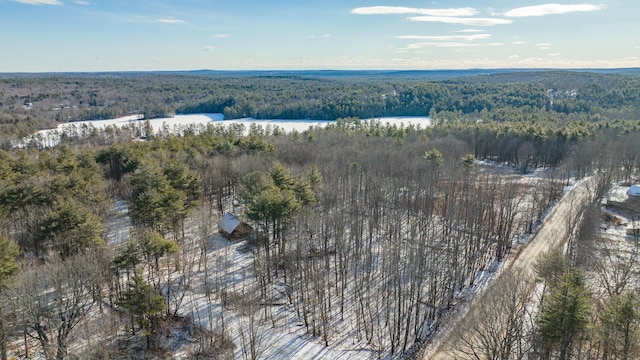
(634,190)
(231,227)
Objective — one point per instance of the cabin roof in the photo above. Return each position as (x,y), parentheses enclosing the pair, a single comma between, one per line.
(229,223)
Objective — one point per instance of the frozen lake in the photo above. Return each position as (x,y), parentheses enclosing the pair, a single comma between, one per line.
(51,137)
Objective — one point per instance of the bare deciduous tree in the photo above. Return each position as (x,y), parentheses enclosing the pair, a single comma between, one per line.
(501,328)
(50,300)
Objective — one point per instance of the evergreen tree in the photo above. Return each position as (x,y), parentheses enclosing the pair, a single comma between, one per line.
(69,228)
(620,327)
(8,266)
(315,178)
(282,177)
(564,315)
(143,304)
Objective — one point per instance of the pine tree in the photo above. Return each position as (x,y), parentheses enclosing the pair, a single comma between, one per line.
(564,315)
(621,325)
(282,177)
(143,304)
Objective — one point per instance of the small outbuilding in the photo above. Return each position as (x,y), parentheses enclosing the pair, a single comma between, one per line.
(634,190)
(231,227)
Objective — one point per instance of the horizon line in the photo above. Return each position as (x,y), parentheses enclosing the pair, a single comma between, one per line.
(321,70)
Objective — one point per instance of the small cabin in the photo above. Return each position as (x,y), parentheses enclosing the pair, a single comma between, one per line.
(231,227)
(634,190)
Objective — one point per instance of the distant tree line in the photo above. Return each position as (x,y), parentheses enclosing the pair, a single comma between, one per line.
(31,103)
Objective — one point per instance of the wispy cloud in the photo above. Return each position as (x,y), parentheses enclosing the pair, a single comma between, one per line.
(518,42)
(519,62)
(513,57)
(446,37)
(221,36)
(39,2)
(324,36)
(470,31)
(551,9)
(495,44)
(398,10)
(171,21)
(470,21)
(554,54)
(81,2)
(446,44)
(208,48)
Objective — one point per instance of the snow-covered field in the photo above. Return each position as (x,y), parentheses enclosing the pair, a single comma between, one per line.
(51,137)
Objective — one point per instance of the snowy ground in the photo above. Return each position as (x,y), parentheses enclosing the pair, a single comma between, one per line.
(617,247)
(281,335)
(230,273)
(51,137)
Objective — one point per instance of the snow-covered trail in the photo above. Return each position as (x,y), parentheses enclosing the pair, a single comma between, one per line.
(551,234)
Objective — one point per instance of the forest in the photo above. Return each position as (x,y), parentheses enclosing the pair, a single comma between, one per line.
(365,235)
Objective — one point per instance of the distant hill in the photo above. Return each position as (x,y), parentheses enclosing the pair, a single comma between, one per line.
(509,75)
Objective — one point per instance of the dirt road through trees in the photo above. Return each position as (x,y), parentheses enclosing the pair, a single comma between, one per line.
(465,333)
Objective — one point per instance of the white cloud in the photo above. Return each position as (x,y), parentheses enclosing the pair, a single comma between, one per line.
(39,2)
(554,54)
(513,57)
(461,20)
(221,36)
(446,37)
(518,42)
(81,2)
(469,31)
(495,44)
(520,62)
(208,48)
(543,44)
(396,10)
(551,9)
(446,44)
(171,21)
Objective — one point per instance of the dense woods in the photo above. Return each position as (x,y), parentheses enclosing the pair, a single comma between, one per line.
(28,103)
(374,229)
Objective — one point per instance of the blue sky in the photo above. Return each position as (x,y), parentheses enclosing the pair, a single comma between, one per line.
(120,35)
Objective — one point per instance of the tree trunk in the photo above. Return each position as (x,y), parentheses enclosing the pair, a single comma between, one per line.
(3,337)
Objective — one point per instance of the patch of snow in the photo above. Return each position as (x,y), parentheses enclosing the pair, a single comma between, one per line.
(618,193)
(118,225)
